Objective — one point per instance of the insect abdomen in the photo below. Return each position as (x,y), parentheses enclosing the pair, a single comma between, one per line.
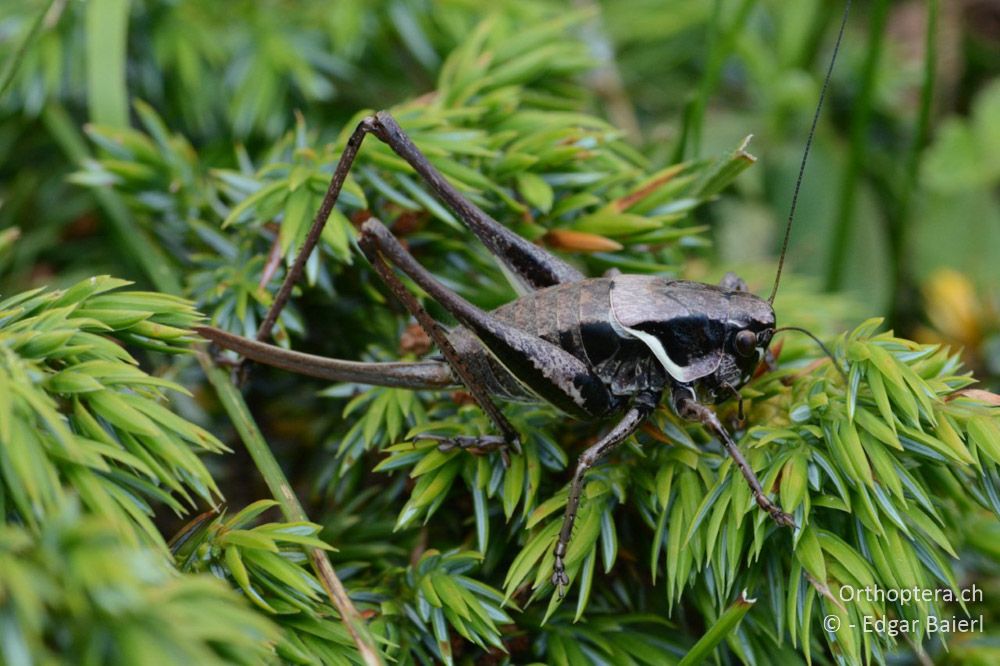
(572,316)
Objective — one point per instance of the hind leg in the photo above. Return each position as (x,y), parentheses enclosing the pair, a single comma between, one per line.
(552,373)
(530,266)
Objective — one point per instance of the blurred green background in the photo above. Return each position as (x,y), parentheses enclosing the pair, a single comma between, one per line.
(898,215)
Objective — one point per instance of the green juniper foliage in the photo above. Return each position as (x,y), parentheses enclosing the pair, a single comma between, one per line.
(79,416)
(73,591)
(887,460)
(267,564)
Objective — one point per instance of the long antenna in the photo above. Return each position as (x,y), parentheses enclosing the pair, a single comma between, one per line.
(826,350)
(805,153)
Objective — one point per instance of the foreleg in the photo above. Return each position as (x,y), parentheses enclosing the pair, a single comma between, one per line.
(689,408)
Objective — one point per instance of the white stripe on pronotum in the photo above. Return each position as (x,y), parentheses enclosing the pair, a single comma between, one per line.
(679,373)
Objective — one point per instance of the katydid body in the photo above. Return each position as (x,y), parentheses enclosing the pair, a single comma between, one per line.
(595,348)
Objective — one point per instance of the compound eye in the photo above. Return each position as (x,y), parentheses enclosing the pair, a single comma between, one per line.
(745,342)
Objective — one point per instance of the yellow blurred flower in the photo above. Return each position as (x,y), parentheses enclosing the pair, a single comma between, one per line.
(957,314)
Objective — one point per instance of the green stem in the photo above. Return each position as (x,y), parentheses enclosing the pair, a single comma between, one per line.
(14,63)
(810,49)
(107,33)
(904,296)
(267,464)
(855,163)
(721,43)
(725,625)
(140,250)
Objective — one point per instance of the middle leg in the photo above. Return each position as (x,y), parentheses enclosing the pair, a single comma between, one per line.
(642,406)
